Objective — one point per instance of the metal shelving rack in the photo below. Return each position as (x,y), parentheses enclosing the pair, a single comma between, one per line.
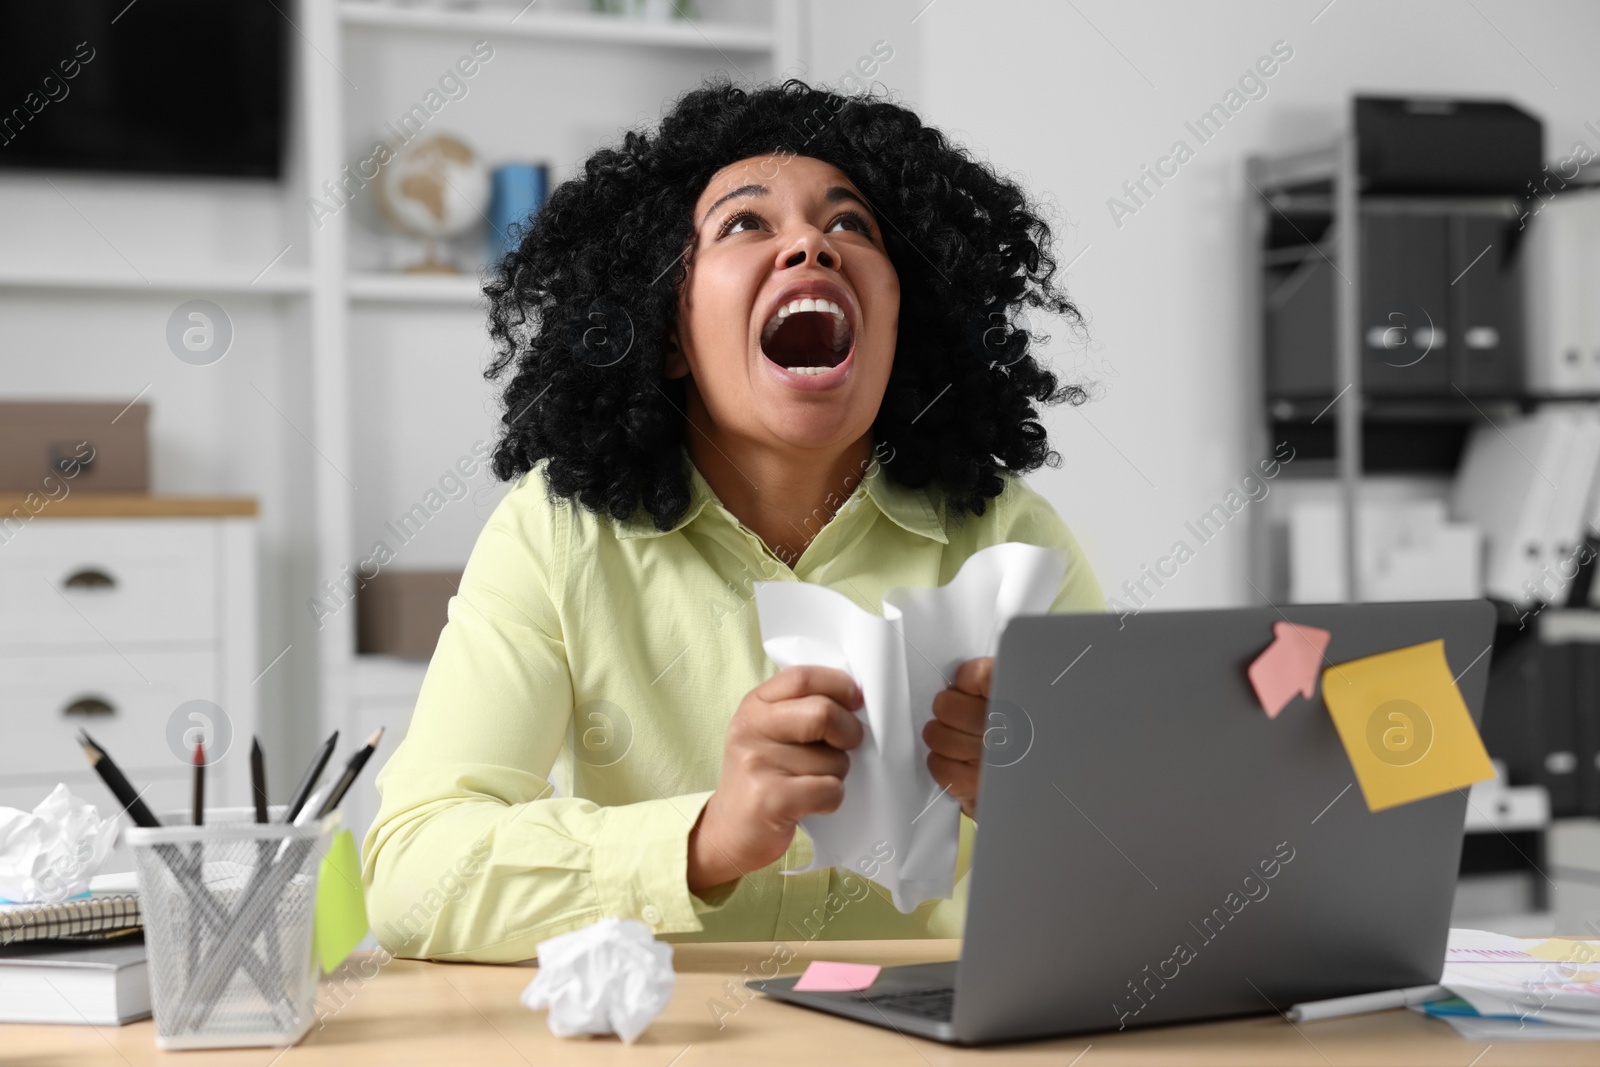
(1293,181)
(1325,182)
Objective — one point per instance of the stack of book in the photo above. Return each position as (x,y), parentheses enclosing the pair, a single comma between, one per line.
(79,961)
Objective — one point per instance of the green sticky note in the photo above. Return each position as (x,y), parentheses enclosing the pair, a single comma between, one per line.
(341,919)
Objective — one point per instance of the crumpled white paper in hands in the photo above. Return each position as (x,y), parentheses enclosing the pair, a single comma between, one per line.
(50,854)
(613,977)
(896,824)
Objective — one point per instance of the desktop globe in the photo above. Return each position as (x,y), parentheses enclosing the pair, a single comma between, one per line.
(435,188)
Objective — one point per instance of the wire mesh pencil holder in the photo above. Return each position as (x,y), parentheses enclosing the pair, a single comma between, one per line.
(228,916)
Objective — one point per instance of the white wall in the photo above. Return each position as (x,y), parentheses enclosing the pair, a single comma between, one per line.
(835,36)
(1073,98)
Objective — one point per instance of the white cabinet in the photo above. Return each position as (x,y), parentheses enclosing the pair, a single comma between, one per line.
(136,621)
(109,581)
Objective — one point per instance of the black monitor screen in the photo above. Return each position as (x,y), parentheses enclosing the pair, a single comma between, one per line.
(153,86)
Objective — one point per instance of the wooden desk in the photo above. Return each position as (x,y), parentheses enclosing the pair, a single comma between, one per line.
(440,1014)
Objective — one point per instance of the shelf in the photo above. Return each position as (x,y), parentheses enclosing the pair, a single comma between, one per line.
(1294,255)
(464,290)
(1294,171)
(1416,409)
(504,21)
(99,504)
(1452,407)
(285,282)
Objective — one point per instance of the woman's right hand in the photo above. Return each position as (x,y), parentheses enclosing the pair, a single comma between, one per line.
(784,758)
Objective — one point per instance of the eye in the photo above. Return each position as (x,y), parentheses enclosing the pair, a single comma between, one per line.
(857,219)
(736,218)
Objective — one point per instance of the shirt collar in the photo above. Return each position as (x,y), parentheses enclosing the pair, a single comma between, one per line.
(911,509)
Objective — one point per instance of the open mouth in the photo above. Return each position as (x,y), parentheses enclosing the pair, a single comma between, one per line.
(808,335)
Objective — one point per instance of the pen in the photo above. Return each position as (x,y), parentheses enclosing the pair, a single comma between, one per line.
(351,769)
(308,813)
(1313,1010)
(328,797)
(120,788)
(258,779)
(198,806)
(308,781)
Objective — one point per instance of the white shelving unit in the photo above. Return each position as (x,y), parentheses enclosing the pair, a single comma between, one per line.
(272,284)
(376,288)
(560,83)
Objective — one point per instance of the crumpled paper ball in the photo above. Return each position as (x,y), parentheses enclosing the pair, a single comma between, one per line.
(610,978)
(50,854)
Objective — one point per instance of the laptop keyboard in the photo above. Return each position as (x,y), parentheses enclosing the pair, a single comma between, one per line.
(935,1004)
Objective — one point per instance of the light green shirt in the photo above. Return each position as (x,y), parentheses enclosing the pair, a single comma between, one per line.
(570,726)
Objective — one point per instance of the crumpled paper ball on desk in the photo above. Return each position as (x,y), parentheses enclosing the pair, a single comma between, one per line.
(613,977)
(49,854)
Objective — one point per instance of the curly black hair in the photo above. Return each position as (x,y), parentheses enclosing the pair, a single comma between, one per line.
(583,308)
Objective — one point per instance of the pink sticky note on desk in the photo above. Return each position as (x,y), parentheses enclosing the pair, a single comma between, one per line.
(824,977)
(1289,665)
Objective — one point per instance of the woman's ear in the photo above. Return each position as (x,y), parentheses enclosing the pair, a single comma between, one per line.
(677,365)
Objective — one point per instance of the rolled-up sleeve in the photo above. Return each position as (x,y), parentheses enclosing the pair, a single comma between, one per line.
(472,856)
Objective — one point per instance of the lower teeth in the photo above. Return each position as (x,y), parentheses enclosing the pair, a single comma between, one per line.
(807,370)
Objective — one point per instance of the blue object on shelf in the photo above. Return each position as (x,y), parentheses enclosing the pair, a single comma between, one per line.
(517,192)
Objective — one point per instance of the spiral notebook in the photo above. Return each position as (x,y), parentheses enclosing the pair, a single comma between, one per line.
(110,910)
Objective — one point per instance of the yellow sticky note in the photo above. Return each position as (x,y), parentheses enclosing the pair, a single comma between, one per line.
(1404,725)
(1566,950)
(341,918)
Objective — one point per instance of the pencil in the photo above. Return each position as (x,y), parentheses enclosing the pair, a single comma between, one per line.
(351,769)
(210,910)
(258,779)
(120,788)
(308,781)
(199,806)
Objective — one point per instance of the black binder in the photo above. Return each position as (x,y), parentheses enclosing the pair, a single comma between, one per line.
(1586,723)
(1486,306)
(1438,145)
(1539,715)
(1405,304)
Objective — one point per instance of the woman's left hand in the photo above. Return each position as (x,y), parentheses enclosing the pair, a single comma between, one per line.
(955,733)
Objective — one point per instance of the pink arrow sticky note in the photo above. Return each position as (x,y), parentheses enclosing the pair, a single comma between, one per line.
(1288,666)
(824,977)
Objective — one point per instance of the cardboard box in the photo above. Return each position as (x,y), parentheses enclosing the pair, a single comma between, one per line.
(91,446)
(400,613)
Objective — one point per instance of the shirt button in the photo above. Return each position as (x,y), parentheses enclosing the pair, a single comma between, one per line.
(651,914)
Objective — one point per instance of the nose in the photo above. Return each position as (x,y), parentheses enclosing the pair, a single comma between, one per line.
(810,245)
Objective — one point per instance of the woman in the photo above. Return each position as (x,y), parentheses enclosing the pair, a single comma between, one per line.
(774,341)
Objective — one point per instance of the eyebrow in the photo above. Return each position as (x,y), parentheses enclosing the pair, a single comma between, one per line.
(834,195)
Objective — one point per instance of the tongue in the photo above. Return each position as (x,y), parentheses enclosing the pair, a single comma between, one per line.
(803,340)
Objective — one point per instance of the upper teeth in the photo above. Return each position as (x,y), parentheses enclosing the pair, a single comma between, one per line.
(841,326)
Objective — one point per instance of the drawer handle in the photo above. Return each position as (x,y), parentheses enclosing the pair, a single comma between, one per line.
(89,707)
(90,578)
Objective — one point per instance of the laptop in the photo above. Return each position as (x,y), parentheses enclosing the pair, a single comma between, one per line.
(1154,849)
